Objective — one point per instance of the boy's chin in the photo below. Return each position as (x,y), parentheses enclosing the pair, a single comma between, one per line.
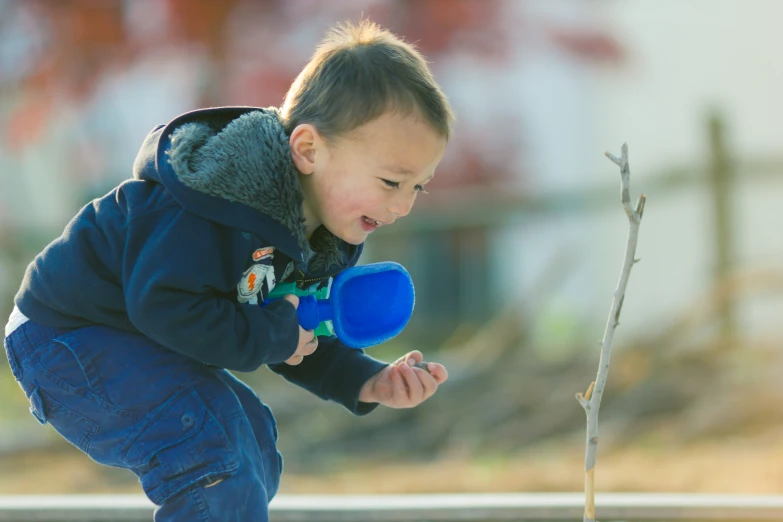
(352,238)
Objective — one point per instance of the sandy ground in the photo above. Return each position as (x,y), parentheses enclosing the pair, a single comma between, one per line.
(749,465)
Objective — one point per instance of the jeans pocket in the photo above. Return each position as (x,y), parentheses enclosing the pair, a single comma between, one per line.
(183,445)
(65,362)
(75,428)
(68,363)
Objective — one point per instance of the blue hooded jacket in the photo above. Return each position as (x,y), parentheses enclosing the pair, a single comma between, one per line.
(184,252)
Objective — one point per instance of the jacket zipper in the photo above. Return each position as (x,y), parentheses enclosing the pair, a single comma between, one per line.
(300,283)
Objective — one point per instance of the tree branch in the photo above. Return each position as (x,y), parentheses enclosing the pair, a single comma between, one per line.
(591,400)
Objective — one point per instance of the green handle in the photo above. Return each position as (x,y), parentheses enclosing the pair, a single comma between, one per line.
(325,328)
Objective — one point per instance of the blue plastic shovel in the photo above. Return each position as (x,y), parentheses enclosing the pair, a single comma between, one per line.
(366,305)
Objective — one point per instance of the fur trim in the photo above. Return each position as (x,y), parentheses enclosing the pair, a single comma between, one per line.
(249,162)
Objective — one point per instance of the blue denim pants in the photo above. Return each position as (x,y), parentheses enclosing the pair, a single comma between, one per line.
(200,441)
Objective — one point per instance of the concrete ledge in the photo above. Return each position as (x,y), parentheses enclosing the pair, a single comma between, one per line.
(407,508)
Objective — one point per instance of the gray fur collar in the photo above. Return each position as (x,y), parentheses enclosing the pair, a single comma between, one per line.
(249,162)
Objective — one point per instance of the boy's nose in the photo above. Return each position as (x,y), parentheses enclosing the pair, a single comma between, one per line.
(401,206)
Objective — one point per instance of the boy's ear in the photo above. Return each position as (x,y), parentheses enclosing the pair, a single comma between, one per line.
(303,144)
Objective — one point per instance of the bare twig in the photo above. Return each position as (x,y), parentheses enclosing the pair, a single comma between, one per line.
(591,400)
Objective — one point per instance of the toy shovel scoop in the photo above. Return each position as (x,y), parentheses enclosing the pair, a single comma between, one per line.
(367,305)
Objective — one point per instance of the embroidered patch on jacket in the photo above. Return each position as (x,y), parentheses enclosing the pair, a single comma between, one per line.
(263,253)
(254,280)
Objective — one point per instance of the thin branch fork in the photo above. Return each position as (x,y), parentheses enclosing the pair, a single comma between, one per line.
(591,399)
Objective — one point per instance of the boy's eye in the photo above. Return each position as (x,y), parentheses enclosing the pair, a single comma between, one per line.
(396,184)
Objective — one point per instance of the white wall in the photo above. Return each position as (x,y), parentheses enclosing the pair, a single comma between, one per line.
(682,60)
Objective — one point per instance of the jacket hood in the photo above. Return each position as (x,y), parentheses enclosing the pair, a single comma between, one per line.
(233,166)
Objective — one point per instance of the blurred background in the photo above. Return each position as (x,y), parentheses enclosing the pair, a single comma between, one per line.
(515,253)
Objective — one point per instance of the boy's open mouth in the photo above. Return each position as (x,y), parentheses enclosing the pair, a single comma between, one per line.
(371,222)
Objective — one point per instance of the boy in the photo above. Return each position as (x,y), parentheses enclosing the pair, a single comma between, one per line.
(125,326)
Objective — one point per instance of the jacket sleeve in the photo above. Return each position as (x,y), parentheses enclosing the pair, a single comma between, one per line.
(176,280)
(334,372)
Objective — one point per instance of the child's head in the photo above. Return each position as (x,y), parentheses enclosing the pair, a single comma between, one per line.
(367,126)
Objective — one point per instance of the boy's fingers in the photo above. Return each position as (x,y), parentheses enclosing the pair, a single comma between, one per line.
(398,386)
(291,298)
(438,371)
(294,360)
(413,357)
(415,387)
(310,347)
(423,372)
(427,380)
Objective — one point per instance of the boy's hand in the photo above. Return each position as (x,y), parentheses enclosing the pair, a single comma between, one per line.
(308,342)
(402,384)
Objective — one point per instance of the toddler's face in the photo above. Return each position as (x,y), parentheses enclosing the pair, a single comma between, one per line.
(371,177)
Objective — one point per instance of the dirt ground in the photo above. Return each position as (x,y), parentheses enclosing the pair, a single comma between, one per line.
(739,465)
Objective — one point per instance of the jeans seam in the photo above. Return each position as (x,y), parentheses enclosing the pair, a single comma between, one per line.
(25,340)
(267,445)
(198,496)
(13,360)
(231,416)
(263,445)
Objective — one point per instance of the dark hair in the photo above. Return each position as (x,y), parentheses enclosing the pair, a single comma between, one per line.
(359,72)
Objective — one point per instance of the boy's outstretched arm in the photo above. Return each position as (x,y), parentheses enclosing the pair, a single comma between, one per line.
(334,372)
(402,384)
